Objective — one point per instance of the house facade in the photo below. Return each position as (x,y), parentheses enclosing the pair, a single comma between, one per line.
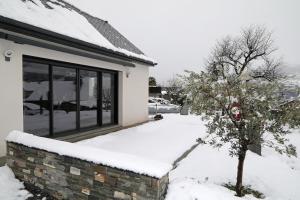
(54,83)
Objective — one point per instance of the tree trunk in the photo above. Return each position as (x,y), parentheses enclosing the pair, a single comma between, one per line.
(239,179)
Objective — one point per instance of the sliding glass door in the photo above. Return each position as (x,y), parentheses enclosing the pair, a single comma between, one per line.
(64,99)
(108,98)
(88,85)
(36,107)
(61,98)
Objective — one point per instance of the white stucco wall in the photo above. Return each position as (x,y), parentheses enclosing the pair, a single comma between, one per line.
(133,91)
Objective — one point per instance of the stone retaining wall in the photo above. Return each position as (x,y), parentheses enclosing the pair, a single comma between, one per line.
(64,177)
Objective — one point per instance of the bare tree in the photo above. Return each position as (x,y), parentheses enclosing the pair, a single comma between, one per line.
(238,94)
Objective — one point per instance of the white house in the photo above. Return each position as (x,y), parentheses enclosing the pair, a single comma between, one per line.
(64,72)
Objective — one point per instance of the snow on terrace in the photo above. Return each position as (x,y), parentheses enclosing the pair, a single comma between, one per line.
(59,20)
(165,140)
(149,149)
(118,160)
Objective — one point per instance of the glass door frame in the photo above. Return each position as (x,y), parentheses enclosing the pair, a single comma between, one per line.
(78,67)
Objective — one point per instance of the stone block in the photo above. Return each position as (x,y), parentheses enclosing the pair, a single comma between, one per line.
(20,163)
(121,195)
(100,177)
(26,171)
(30,159)
(86,191)
(74,171)
(39,186)
(111,181)
(11,152)
(38,172)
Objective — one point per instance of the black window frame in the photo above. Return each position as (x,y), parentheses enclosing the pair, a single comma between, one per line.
(51,63)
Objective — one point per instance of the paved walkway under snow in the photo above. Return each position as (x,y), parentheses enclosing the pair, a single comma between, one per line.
(165,140)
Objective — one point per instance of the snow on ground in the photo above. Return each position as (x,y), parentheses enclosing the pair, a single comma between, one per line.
(10,187)
(163,140)
(201,174)
(195,190)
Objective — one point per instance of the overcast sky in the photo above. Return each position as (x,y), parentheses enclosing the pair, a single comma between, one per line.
(179,34)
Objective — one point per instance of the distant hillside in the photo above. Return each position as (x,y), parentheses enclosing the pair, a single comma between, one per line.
(292,83)
(293,80)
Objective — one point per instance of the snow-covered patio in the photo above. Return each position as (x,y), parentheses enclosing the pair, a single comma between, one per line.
(165,140)
(201,174)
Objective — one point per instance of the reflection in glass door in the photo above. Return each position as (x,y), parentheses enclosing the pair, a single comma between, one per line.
(64,99)
(61,98)
(36,98)
(107,98)
(88,98)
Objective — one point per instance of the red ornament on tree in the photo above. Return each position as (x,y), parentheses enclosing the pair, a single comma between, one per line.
(235,110)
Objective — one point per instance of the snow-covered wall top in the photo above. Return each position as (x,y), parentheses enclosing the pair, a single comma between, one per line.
(52,15)
(113,159)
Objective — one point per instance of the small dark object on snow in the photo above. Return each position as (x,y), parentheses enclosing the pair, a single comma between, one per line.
(158,117)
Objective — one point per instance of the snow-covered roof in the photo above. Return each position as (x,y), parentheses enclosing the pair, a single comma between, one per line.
(63,18)
(118,160)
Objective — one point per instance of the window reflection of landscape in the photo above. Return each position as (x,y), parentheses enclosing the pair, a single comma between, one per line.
(107,98)
(60,98)
(88,98)
(64,99)
(35,98)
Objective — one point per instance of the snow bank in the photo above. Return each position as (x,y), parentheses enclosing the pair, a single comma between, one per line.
(60,20)
(206,169)
(99,156)
(10,187)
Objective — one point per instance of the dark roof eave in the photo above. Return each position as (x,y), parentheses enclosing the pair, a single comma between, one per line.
(40,33)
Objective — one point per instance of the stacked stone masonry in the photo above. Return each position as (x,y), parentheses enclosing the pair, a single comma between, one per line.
(69,178)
